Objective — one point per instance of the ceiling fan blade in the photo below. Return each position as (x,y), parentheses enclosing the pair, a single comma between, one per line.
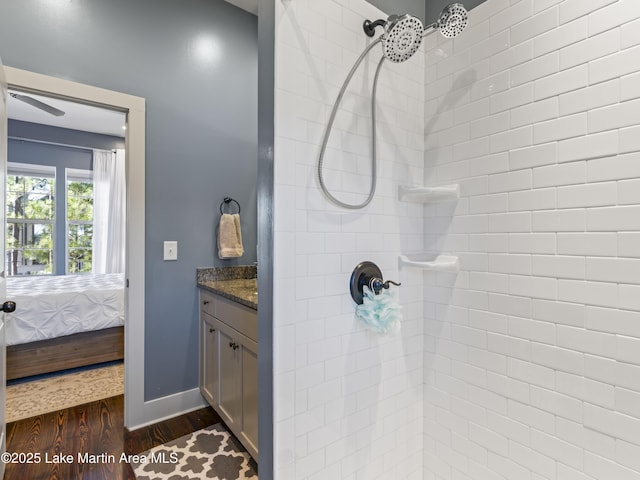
(38,104)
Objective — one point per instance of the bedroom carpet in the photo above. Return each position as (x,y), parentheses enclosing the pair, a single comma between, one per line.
(52,393)
(211,453)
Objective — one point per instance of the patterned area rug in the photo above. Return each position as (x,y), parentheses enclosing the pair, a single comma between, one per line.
(55,392)
(208,454)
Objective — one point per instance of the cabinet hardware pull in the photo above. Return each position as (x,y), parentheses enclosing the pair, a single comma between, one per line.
(211,330)
(233,345)
(206,302)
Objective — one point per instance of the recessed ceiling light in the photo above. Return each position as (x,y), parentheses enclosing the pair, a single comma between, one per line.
(124,127)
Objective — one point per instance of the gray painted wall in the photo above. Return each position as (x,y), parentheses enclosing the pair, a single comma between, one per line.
(201,134)
(22,150)
(266,131)
(427,10)
(64,136)
(399,7)
(434,7)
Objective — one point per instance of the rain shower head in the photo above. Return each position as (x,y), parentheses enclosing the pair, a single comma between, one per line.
(453,20)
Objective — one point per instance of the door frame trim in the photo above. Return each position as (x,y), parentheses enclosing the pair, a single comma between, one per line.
(134,327)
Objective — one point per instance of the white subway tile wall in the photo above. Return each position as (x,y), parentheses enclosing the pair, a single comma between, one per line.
(532,354)
(348,402)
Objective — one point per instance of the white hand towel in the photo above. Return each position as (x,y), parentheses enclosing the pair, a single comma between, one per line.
(230,236)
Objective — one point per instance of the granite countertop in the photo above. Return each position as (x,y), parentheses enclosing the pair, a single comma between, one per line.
(235,283)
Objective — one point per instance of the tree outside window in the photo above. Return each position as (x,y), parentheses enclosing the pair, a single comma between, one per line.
(30,223)
(79,225)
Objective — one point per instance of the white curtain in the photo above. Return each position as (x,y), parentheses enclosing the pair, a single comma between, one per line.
(109,220)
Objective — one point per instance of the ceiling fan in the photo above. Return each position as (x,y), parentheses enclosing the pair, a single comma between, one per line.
(37,103)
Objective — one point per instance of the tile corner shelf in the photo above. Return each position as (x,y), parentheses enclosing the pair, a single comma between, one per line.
(442,193)
(442,263)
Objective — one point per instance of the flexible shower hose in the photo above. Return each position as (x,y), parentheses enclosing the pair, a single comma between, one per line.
(332,118)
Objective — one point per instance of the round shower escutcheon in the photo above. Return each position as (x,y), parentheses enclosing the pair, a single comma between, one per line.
(360,277)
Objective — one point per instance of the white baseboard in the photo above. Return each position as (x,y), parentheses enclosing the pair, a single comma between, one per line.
(163,408)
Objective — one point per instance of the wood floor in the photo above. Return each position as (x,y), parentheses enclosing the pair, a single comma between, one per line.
(95,429)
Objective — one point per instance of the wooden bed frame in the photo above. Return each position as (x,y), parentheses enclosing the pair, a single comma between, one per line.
(71,351)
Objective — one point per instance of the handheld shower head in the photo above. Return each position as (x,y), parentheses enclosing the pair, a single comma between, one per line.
(453,20)
(400,40)
(402,37)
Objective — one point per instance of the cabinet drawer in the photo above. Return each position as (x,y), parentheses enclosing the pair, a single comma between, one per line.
(207,302)
(239,317)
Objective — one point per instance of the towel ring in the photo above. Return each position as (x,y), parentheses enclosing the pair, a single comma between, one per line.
(227,201)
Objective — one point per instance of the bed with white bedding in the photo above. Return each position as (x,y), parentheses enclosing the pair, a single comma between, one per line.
(60,311)
(54,306)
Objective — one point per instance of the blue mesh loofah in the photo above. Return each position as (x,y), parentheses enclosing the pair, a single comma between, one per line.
(379,313)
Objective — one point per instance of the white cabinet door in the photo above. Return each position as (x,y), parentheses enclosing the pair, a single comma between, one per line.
(229,367)
(209,374)
(238,383)
(230,401)
(249,358)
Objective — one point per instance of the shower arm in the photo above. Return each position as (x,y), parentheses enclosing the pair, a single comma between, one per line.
(369,27)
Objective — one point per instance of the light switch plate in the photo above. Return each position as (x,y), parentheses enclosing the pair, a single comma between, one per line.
(171,250)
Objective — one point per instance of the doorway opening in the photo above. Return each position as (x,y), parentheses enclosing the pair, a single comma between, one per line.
(65,253)
(133,109)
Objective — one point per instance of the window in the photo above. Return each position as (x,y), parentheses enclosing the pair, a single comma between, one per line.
(33,247)
(79,221)
(30,219)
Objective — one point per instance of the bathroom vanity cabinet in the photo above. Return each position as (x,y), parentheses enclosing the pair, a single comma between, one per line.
(229,365)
